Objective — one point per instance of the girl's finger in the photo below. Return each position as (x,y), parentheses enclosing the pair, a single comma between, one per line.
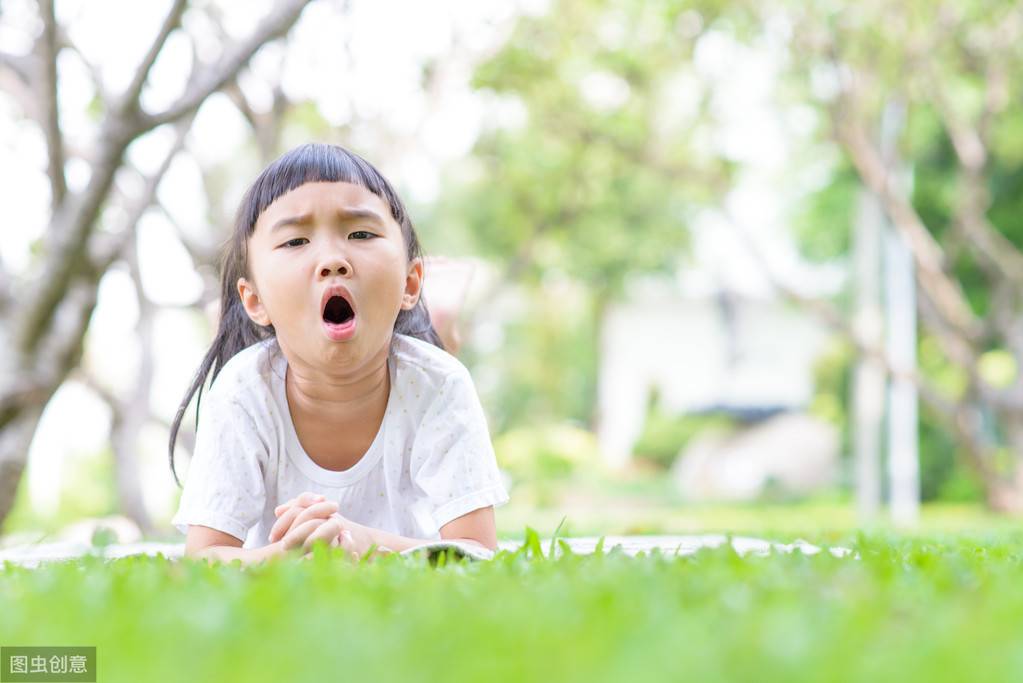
(298,534)
(306,499)
(297,515)
(303,500)
(318,511)
(284,523)
(324,532)
(348,545)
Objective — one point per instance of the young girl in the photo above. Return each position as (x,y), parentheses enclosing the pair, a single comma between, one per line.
(334,414)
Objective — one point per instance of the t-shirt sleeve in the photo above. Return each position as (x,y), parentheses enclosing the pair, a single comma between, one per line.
(224,485)
(453,460)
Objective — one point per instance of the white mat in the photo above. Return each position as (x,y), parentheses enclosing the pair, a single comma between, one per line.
(31,555)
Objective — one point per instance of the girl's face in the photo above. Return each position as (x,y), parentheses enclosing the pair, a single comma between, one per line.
(308,242)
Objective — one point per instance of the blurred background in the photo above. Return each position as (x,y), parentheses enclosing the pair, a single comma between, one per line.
(713,265)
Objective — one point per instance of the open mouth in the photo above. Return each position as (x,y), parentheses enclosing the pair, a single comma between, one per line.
(337,311)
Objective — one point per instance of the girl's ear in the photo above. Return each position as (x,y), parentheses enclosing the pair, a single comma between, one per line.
(413,284)
(251,302)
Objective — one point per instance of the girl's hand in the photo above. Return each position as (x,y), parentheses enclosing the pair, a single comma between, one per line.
(298,511)
(354,538)
(305,534)
(357,540)
(303,499)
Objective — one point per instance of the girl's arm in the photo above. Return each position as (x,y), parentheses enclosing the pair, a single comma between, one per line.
(476,527)
(203,542)
(211,544)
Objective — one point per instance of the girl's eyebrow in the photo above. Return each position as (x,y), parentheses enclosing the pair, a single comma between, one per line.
(346,216)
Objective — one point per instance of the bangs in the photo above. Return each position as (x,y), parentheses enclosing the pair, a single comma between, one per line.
(314,163)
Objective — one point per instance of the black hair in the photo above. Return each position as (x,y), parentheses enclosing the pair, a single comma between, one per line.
(309,163)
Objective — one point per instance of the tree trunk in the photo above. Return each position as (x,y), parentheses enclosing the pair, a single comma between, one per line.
(15,439)
(132,414)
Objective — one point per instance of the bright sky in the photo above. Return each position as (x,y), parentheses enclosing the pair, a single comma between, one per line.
(362,69)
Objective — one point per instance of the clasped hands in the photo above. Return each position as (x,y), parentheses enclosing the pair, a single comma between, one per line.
(309,517)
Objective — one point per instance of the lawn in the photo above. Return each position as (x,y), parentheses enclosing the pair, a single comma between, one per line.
(928,608)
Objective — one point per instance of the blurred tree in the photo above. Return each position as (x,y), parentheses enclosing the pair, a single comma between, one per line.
(44,313)
(597,181)
(952,66)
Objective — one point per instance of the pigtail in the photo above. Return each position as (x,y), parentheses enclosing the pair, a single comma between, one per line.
(416,322)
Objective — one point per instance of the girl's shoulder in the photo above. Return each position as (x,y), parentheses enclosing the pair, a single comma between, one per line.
(418,360)
(253,367)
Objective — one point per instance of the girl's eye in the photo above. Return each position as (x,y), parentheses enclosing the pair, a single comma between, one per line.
(297,242)
(363,232)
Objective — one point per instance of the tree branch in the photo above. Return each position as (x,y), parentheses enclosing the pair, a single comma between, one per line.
(47,48)
(999,256)
(927,253)
(19,65)
(60,350)
(266,126)
(187,438)
(130,97)
(200,255)
(274,26)
(5,289)
(72,226)
(114,249)
(955,347)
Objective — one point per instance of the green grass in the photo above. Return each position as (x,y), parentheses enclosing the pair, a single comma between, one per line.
(936,608)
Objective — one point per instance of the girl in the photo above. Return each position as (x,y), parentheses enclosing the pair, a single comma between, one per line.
(334,413)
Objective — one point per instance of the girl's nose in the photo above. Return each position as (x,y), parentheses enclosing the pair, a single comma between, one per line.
(339,266)
(342,270)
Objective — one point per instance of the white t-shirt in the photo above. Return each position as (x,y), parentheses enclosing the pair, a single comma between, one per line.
(431,461)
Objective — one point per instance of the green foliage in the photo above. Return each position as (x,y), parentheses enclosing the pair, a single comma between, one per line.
(548,360)
(939,608)
(833,386)
(943,474)
(597,182)
(833,394)
(664,436)
(946,65)
(823,221)
(552,451)
(87,489)
(308,119)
